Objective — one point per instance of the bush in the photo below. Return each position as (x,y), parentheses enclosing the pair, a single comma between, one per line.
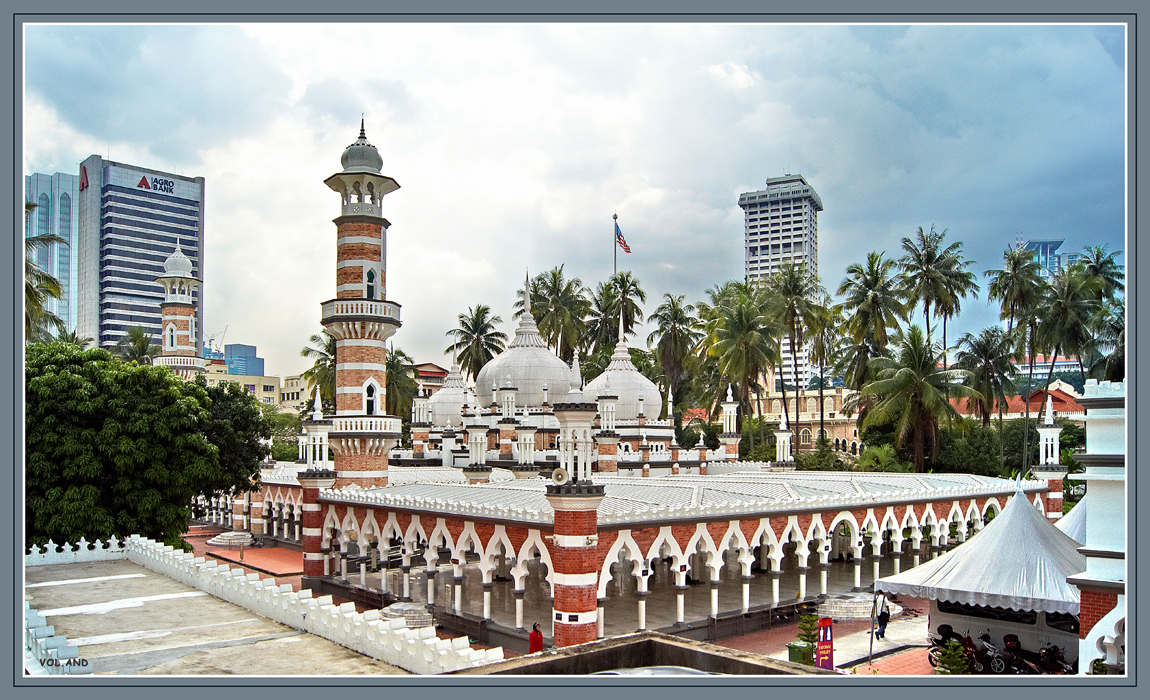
(952,660)
(979,451)
(821,459)
(881,458)
(809,635)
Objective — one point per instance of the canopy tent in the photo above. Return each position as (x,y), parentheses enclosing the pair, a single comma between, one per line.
(1019,561)
(1074,522)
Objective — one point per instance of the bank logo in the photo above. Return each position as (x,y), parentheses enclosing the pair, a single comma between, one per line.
(158,184)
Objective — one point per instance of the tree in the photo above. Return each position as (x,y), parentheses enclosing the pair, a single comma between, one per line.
(137,346)
(987,357)
(873,307)
(925,270)
(73,337)
(1017,286)
(1067,311)
(912,391)
(113,449)
(881,458)
(40,324)
(1102,267)
(236,425)
(826,347)
(400,382)
(285,429)
(975,450)
(743,345)
(1109,326)
(627,295)
(477,340)
(952,660)
(958,283)
(322,371)
(797,291)
(560,308)
(674,337)
(1016,443)
(602,321)
(809,636)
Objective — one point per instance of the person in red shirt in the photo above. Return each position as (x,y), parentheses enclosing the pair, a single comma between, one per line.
(535,639)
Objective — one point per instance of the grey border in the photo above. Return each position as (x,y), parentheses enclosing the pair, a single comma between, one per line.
(592,10)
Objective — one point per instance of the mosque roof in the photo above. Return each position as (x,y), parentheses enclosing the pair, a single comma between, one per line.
(361,156)
(178,264)
(638,500)
(447,403)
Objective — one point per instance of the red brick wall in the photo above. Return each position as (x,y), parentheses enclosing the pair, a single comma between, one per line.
(566,635)
(1094,606)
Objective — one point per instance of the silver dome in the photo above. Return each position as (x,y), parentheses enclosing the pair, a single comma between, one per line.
(627,383)
(361,156)
(178,264)
(447,403)
(526,363)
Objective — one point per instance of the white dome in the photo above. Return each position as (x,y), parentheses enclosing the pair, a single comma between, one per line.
(627,383)
(447,403)
(526,364)
(178,264)
(361,156)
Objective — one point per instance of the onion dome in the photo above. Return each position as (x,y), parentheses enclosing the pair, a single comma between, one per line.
(622,379)
(447,404)
(177,264)
(361,156)
(526,364)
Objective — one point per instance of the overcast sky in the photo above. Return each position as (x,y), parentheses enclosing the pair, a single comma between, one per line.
(514,144)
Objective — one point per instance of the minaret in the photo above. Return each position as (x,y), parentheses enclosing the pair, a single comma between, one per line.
(178,329)
(361,320)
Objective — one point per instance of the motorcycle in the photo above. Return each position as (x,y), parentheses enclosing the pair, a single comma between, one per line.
(946,634)
(996,659)
(1021,660)
(1051,660)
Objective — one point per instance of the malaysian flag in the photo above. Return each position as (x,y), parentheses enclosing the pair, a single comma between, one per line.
(620,240)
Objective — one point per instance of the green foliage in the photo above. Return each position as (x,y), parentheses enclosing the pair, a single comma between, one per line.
(809,635)
(1011,438)
(978,451)
(688,438)
(882,458)
(823,458)
(285,428)
(113,448)
(283,452)
(1072,436)
(952,660)
(238,428)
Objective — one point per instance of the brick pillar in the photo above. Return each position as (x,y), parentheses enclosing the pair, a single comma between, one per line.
(506,437)
(702,469)
(239,522)
(1093,607)
(257,523)
(575,607)
(312,480)
(608,446)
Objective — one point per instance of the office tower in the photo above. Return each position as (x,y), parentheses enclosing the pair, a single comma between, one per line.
(242,359)
(130,220)
(56,199)
(781,226)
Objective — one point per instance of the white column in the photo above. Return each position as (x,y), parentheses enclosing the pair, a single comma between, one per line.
(802,583)
(775,587)
(430,585)
(363,574)
(680,613)
(746,594)
(823,579)
(599,617)
(714,598)
(519,610)
(858,574)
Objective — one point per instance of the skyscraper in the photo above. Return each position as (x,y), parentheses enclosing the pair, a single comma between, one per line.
(1048,258)
(56,212)
(781,226)
(130,220)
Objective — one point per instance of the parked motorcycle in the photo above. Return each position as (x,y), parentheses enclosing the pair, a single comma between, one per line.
(946,634)
(996,659)
(1021,660)
(1051,660)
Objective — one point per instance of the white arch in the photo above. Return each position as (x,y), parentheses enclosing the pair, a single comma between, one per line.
(459,551)
(625,543)
(703,536)
(734,532)
(487,561)
(533,542)
(848,518)
(991,504)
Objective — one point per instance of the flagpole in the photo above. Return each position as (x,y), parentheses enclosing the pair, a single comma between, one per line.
(615,244)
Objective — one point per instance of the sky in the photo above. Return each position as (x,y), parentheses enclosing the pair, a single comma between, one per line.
(514,144)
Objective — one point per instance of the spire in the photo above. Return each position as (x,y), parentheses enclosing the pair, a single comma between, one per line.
(317,407)
(1049,410)
(362,133)
(527,293)
(620,321)
(576,374)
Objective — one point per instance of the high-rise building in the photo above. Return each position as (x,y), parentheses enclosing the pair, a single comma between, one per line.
(1048,258)
(57,212)
(242,359)
(130,220)
(781,226)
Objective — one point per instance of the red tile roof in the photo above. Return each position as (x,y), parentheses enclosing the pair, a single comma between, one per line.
(1063,403)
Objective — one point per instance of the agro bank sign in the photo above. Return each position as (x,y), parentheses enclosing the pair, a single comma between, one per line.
(158,184)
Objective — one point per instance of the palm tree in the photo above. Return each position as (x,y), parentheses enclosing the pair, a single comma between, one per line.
(400,383)
(74,338)
(911,393)
(1101,266)
(137,346)
(40,324)
(925,268)
(322,371)
(603,321)
(797,290)
(826,346)
(1067,312)
(1017,286)
(987,357)
(628,294)
(1110,331)
(874,307)
(958,283)
(743,346)
(560,308)
(477,340)
(674,337)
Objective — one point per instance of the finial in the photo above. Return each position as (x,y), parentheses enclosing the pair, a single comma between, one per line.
(620,320)
(576,375)
(527,292)
(615,216)
(729,397)
(317,407)
(1049,409)
(362,133)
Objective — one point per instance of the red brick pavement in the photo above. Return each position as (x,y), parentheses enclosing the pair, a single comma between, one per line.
(912,662)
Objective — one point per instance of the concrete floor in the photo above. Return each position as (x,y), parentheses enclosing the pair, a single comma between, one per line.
(621,614)
(126,619)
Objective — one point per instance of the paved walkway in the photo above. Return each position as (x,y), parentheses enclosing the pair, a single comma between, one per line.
(270,560)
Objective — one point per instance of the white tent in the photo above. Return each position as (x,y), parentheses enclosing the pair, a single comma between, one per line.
(1074,522)
(1018,561)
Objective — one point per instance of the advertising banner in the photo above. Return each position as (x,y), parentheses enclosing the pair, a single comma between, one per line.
(824,647)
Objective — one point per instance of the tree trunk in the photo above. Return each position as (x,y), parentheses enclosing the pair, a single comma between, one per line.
(795,370)
(822,426)
(1026,418)
(759,405)
(1049,378)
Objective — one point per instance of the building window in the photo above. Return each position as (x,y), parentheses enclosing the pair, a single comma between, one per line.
(250,387)
(268,399)
(269,388)
(170,338)
(805,436)
(371,284)
(370,395)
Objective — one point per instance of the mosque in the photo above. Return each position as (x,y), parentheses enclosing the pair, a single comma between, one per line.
(534,491)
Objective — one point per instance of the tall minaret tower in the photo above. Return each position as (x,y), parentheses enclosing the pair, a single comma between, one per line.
(178,312)
(361,320)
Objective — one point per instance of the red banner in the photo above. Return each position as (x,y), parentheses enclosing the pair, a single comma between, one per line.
(824,647)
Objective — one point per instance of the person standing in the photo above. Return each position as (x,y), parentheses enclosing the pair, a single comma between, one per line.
(535,639)
(883,616)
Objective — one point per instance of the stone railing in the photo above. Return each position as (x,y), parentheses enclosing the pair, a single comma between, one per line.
(389,641)
(366,424)
(180,361)
(45,652)
(80,553)
(381,499)
(359,307)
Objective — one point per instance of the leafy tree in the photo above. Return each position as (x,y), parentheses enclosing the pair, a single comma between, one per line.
(987,357)
(797,292)
(560,307)
(809,635)
(1015,441)
(977,450)
(1072,436)
(400,382)
(322,372)
(137,346)
(285,429)
(603,320)
(1067,311)
(925,267)
(826,346)
(1017,286)
(1104,270)
(627,294)
(881,458)
(1109,328)
(822,458)
(80,341)
(40,324)
(743,345)
(113,448)
(952,660)
(912,394)
(477,340)
(237,426)
(687,438)
(674,337)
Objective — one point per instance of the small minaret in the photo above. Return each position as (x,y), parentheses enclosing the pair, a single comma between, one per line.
(178,312)
(361,320)
(1048,467)
(782,443)
(730,436)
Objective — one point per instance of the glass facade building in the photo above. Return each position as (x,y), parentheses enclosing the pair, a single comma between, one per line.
(130,221)
(56,212)
(241,359)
